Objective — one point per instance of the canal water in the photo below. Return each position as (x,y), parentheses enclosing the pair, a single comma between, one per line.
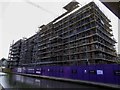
(18,81)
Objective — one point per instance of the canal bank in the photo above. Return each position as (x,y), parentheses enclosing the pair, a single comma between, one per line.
(22,82)
(81,82)
(1,87)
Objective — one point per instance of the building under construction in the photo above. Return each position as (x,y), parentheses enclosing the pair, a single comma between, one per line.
(81,35)
(14,54)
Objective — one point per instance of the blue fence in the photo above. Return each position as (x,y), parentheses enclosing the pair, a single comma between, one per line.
(108,73)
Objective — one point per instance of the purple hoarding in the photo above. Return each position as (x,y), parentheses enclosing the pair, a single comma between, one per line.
(108,73)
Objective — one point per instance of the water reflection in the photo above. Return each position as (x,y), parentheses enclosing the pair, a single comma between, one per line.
(18,81)
(44,83)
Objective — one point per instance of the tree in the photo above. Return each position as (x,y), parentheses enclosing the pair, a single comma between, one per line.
(118,59)
(3,62)
(3,59)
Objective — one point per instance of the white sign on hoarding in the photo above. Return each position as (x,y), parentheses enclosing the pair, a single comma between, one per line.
(85,71)
(19,70)
(99,72)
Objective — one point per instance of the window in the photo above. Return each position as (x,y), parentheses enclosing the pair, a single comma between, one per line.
(78,56)
(96,46)
(72,56)
(83,41)
(92,24)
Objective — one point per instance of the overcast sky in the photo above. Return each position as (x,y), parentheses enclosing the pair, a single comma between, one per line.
(21,18)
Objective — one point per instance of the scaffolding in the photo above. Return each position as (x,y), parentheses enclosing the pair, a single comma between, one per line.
(80,37)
